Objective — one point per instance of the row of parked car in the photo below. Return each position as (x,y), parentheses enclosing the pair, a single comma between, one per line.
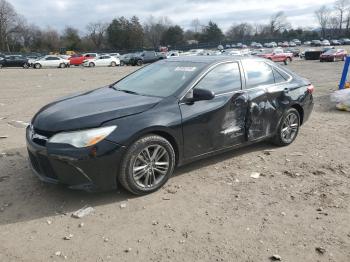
(87,60)
(277,54)
(292,43)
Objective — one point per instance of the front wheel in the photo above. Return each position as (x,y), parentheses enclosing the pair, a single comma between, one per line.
(62,65)
(91,64)
(147,165)
(139,62)
(288,128)
(37,66)
(113,64)
(26,66)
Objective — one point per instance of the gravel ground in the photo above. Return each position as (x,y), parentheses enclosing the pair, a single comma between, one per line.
(211,210)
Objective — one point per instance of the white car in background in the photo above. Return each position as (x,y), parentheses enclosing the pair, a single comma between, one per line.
(49,61)
(104,60)
(193,52)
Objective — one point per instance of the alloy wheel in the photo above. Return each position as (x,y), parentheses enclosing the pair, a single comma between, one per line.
(151,166)
(290,128)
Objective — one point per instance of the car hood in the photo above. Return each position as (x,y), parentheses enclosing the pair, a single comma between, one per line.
(90,109)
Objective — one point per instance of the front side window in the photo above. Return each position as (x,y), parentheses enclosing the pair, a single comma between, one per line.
(223,78)
(160,79)
(258,73)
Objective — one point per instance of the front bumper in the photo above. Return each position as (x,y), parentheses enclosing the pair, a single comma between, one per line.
(91,169)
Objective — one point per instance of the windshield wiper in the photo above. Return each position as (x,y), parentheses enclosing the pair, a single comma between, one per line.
(126,91)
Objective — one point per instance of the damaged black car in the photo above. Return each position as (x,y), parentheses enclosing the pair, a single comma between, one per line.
(135,132)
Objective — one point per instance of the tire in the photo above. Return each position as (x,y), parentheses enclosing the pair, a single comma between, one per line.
(122,63)
(287,61)
(333,59)
(149,178)
(91,64)
(25,66)
(139,63)
(1,66)
(281,138)
(113,64)
(62,65)
(37,66)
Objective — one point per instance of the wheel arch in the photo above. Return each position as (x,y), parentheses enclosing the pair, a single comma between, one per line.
(300,110)
(162,132)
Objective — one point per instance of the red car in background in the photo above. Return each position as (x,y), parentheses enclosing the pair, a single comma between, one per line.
(332,55)
(278,55)
(78,59)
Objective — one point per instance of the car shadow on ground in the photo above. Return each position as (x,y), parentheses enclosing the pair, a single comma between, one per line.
(23,197)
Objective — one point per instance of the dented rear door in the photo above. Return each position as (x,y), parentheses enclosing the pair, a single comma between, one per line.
(258,78)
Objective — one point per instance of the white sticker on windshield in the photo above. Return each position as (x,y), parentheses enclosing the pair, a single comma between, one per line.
(185,69)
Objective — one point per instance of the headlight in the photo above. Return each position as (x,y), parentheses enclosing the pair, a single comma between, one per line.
(83,138)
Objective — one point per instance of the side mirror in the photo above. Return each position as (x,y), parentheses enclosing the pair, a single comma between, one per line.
(198,94)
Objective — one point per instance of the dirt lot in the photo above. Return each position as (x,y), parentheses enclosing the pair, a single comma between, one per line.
(210,210)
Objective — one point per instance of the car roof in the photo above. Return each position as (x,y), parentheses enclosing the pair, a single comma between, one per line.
(213,59)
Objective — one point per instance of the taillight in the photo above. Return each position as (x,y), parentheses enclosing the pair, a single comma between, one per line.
(310,89)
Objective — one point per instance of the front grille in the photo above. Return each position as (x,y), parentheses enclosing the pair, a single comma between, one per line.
(46,167)
(42,165)
(40,137)
(41,142)
(34,162)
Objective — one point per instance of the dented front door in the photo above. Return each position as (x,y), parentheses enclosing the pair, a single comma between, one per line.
(216,124)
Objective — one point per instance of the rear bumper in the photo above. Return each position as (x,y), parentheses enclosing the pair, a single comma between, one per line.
(90,169)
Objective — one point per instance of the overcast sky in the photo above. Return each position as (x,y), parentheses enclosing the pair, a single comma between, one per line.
(78,13)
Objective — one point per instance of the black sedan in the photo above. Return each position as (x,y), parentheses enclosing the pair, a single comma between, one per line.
(134,132)
(14,61)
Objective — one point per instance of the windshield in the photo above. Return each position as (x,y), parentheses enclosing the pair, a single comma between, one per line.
(330,52)
(160,79)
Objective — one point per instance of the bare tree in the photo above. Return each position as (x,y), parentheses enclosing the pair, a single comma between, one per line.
(8,23)
(240,32)
(333,25)
(154,29)
(96,33)
(341,6)
(323,15)
(278,23)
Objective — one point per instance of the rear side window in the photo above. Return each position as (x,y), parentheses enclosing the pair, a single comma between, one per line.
(258,73)
(278,77)
(223,78)
(282,73)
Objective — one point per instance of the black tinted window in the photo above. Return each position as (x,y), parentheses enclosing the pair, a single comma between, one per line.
(223,78)
(258,73)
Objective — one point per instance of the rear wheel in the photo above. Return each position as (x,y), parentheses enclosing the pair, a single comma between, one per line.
(25,66)
(62,65)
(122,63)
(139,62)
(0,66)
(113,64)
(287,61)
(288,128)
(147,165)
(37,66)
(91,64)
